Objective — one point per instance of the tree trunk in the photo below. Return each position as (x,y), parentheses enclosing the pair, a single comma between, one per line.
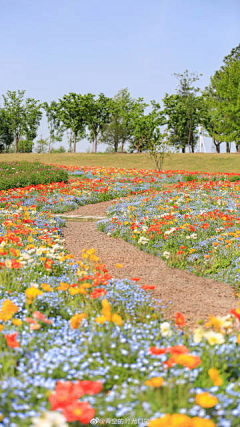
(75,142)
(237,148)
(183,150)
(217,148)
(228,147)
(95,142)
(50,143)
(122,145)
(16,141)
(115,145)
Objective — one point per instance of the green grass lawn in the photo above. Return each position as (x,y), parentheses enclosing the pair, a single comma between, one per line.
(192,162)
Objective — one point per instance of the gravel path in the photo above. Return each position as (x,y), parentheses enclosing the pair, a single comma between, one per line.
(195,297)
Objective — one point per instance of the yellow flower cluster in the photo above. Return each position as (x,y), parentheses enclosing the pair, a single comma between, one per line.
(180,420)
(32,293)
(76,320)
(8,310)
(107,316)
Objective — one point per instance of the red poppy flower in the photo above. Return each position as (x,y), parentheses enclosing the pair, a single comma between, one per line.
(97,293)
(178,349)
(235,313)
(78,411)
(90,387)
(64,394)
(157,351)
(180,320)
(11,340)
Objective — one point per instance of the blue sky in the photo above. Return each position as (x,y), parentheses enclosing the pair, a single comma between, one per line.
(53,47)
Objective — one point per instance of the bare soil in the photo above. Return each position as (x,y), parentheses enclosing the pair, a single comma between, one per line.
(193,296)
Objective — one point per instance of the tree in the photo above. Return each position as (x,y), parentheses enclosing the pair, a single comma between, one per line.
(6,134)
(72,112)
(54,123)
(184,111)
(213,119)
(146,126)
(158,148)
(23,116)
(98,115)
(225,97)
(119,130)
(42,145)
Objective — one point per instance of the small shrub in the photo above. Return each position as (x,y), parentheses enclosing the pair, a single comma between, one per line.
(234,178)
(22,174)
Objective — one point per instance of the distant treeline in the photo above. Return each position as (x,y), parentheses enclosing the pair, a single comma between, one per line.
(122,121)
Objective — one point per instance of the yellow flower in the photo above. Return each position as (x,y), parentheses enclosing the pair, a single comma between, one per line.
(9,307)
(215,377)
(86,286)
(101,319)
(1,327)
(46,287)
(76,320)
(202,422)
(117,319)
(5,316)
(106,309)
(63,286)
(119,265)
(32,293)
(238,339)
(17,322)
(77,290)
(175,420)
(155,382)
(206,400)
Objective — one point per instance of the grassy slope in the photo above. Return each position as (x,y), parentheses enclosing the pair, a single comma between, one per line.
(191,162)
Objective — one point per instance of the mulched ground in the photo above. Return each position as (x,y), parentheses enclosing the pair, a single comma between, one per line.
(193,296)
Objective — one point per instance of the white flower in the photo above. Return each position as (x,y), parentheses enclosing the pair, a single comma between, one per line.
(49,419)
(166,254)
(165,329)
(170,231)
(198,335)
(193,236)
(214,337)
(143,240)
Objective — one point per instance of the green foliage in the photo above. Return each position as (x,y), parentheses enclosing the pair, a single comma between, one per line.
(158,148)
(41,146)
(6,134)
(72,112)
(22,174)
(55,127)
(146,127)
(23,116)
(25,146)
(98,115)
(222,99)
(61,149)
(234,178)
(184,112)
(119,130)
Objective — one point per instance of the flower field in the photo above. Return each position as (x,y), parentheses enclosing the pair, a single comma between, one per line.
(79,347)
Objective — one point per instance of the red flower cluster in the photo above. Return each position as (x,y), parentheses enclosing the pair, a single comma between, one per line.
(65,398)
(98,292)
